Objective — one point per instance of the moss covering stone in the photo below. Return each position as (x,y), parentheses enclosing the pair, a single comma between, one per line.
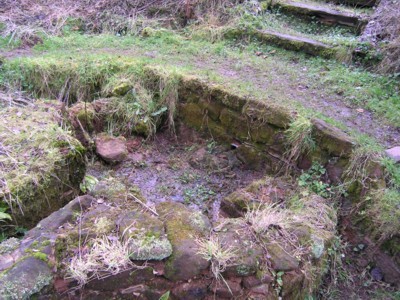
(44,165)
(261,192)
(330,138)
(27,278)
(146,236)
(248,256)
(9,245)
(183,226)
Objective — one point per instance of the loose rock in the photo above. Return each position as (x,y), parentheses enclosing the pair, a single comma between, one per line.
(111,149)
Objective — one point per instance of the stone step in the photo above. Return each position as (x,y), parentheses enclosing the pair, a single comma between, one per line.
(297,43)
(325,14)
(357,3)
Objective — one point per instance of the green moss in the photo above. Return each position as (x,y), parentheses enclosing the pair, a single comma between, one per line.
(244,270)
(150,248)
(41,256)
(56,162)
(192,114)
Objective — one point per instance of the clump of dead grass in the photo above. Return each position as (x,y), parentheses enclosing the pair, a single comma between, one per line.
(107,256)
(28,20)
(384,30)
(219,255)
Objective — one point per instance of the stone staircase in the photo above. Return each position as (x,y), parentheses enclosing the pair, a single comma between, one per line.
(349,19)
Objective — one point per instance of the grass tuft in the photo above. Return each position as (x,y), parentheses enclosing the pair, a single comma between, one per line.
(212,250)
(107,256)
(299,138)
(383,210)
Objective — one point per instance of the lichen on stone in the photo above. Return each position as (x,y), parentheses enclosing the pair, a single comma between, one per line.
(9,245)
(149,248)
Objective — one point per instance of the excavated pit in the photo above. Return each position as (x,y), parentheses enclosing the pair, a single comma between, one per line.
(182,204)
(188,168)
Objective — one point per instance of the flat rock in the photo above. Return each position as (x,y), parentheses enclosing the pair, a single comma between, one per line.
(111,149)
(332,139)
(328,15)
(296,43)
(394,153)
(194,290)
(28,277)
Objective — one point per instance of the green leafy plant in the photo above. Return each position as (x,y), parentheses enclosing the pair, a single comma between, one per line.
(3,215)
(278,281)
(312,179)
(88,183)
(165,296)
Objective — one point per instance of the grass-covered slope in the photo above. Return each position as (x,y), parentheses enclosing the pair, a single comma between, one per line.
(81,65)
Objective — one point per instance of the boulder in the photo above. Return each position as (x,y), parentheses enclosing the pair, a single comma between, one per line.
(146,236)
(183,227)
(235,235)
(264,191)
(280,259)
(111,149)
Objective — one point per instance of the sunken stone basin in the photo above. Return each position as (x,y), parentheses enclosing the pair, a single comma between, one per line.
(281,240)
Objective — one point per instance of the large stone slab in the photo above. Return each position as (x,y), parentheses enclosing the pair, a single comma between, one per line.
(296,43)
(27,278)
(324,14)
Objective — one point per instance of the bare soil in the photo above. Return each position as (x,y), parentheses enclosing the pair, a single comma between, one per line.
(189,169)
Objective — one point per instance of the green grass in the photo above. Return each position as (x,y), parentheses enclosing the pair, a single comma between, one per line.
(383,211)
(8,43)
(299,138)
(92,58)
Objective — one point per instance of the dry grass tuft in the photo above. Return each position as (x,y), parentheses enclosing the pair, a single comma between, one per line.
(264,218)
(108,256)
(212,250)
(386,28)
(25,19)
